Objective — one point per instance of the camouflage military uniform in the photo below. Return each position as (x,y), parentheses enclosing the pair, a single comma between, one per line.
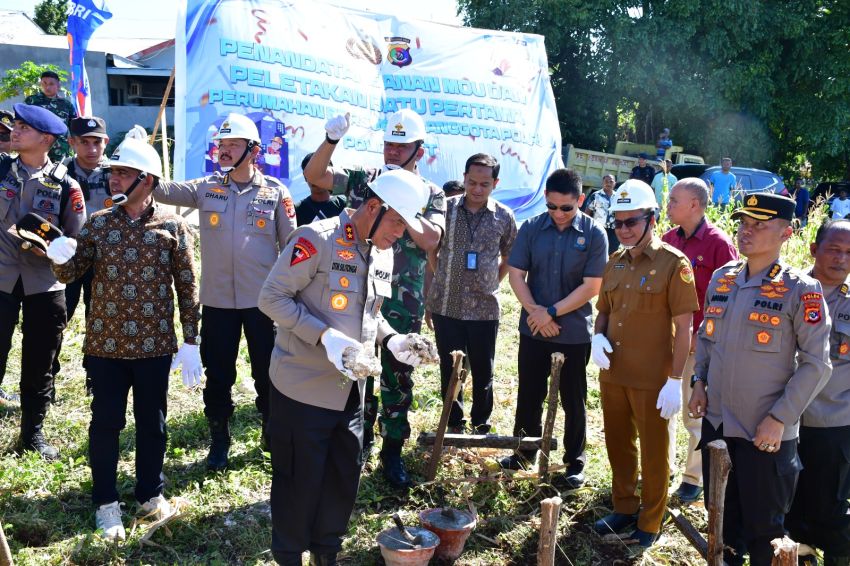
(403,310)
(63,108)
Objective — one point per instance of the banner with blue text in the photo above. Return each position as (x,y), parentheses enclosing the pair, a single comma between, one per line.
(292,65)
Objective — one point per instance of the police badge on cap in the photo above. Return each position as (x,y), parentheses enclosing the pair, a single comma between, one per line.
(88,126)
(766,206)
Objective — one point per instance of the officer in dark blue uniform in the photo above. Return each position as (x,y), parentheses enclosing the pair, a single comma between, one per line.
(30,182)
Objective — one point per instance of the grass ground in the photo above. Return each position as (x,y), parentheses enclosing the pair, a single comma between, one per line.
(48,519)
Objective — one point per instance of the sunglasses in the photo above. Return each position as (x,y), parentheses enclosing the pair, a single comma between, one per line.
(562,208)
(629,222)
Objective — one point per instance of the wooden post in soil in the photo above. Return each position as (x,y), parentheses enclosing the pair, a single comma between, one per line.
(451,390)
(551,413)
(549,511)
(5,553)
(784,552)
(720,466)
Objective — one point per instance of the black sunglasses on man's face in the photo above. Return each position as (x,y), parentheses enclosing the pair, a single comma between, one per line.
(563,207)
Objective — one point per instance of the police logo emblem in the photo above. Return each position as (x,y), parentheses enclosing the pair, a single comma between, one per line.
(752,201)
(339,301)
(91,123)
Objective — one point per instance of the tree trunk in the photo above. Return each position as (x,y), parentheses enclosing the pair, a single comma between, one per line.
(720,466)
(551,413)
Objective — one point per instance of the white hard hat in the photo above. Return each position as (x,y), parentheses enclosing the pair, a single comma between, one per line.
(137,154)
(404,126)
(634,194)
(404,192)
(238,126)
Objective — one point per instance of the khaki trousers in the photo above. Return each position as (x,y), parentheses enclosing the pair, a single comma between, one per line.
(693,458)
(628,414)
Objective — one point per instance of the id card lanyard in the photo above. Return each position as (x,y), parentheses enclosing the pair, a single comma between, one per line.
(472,256)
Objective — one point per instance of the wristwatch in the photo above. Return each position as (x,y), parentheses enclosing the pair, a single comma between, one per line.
(695,378)
(553,312)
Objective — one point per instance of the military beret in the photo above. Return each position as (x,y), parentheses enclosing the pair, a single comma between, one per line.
(7,120)
(88,126)
(766,206)
(41,119)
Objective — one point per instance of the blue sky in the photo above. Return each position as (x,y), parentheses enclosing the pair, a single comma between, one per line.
(156,18)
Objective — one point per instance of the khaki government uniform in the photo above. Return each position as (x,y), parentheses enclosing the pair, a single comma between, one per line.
(641,296)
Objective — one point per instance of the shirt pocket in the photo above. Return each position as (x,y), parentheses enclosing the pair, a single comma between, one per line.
(45,204)
(262,218)
(839,340)
(763,332)
(652,296)
(712,322)
(212,211)
(342,293)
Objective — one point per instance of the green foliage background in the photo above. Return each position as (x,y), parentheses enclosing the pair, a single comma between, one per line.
(23,80)
(765,82)
(50,16)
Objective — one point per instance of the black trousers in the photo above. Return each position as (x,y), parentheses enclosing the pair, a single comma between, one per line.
(73,291)
(818,515)
(476,338)
(758,494)
(221,330)
(535,365)
(43,323)
(112,380)
(315,473)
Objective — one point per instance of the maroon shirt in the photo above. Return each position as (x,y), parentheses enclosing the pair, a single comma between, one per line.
(708,248)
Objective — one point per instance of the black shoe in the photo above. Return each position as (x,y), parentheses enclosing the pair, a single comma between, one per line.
(219,446)
(569,480)
(322,559)
(394,470)
(515,462)
(35,442)
(640,538)
(688,492)
(9,399)
(614,523)
(455,429)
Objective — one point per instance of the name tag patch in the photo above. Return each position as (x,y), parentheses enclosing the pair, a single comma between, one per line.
(344,267)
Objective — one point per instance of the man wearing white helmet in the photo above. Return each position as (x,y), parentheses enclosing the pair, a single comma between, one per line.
(647,289)
(245,218)
(404,136)
(138,252)
(325,294)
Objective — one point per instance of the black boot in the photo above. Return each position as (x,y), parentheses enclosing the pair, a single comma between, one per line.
(220,445)
(31,436)
(394,470)
(322,559)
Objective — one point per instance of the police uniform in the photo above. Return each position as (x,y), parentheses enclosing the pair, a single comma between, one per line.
(326,277)
(95,187)
(26,280)
(242,230)
(763,349)
(819,514)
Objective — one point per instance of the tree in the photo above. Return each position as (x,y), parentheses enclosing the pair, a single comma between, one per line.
(23,80)
(51,16)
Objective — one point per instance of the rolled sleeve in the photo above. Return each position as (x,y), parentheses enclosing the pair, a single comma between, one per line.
(177,194)
(435,210)
(277,297)
(813,365)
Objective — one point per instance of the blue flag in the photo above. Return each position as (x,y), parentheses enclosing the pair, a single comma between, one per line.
(84,17)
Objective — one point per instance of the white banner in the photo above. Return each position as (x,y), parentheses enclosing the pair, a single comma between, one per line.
(292,65)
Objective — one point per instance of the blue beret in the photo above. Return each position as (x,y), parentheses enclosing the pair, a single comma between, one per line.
(41,119)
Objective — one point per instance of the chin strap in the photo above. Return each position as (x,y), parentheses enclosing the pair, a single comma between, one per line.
(384,209)
(645,229)
(121,199)
(412,155)
(245,153)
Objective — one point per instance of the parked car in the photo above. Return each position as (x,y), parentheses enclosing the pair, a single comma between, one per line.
(749,180)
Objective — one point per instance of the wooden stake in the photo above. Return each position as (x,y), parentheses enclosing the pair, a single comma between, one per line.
(784,552)
(487,441)
(162,106)
(551,413)
(689,531)
(720,466)
(436,452)
(549,511)
(5,552)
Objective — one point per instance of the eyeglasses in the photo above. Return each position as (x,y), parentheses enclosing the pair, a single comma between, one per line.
(629,222)
(562,208)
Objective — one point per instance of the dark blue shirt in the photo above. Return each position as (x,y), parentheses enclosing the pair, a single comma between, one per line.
(556,263)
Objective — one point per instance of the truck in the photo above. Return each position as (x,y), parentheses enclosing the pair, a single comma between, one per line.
(593,165)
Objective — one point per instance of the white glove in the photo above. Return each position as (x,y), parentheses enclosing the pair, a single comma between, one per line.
(399,345)
(189,356)
(61,249)
(598,347)
(336,343)
(670,398)
(338,125)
